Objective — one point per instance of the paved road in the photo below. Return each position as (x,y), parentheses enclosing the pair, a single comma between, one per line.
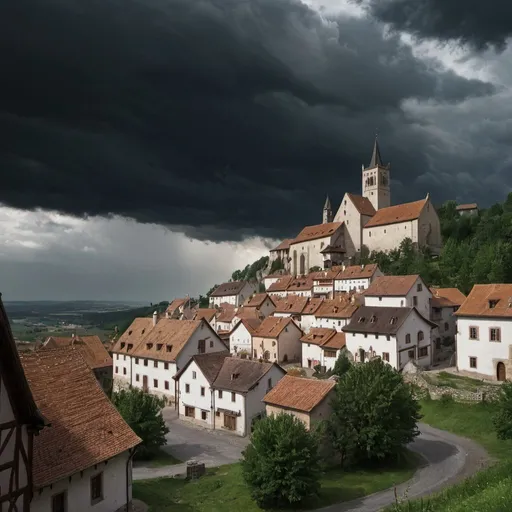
(448,459)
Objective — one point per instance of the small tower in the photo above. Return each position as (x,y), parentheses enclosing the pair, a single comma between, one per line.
(327,217)
(376,180)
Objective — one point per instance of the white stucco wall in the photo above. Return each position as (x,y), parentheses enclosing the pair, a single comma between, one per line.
(315,354)
(378,193)
(446,322)
(121,363)
(238,406)
(267,281)
(237,300)
(79,489)
(306,322)
(267,308)
(346,285)
(488,353)
(352,227)
(287,344)
(240,339)
(388,237)
(429,228)
(331,323)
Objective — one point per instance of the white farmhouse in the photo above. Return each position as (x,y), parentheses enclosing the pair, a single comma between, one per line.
(240,338)
(234,293)
(225,319)
(20,422)
(322,347)
(395,334)
(83,459)
(222,392)
(279,289)
(484,331)
(399,291)
(278,340)
(335,313)
(301,286)
(356,277)
(149,354)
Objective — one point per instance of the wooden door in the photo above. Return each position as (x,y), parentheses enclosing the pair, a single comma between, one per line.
(501,372)
(229,421)
(145,383)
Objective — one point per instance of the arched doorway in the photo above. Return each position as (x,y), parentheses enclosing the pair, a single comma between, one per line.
(294,264)
(302,270)
(501,372)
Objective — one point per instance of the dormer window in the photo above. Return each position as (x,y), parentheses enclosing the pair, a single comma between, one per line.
(361,319)
(373,319)
(168,348)
(149,346)
(129,332)
(123,345)
(130,346)
(159,346)
(143,331)
(492,304)
(393,319)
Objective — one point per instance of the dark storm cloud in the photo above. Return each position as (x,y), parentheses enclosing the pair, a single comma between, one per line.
(479,24)
(220,118)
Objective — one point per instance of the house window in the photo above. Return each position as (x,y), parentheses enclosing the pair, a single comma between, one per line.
(96,488)
(388,337)
(330,353)
(187,388)
(190,412)
(194,375)
(473,333)
(117,369)
(136,360)
(124,371)
(203,415)
(385,356)
(202,391)
(155,383)
(166,366)
(59,502)
(220,393)
(201,347)
(211,343)
(446,326)
(124,358)
(370,234)
(401,303)
(420,335)
(495,334)
(419,287)
(137,377)
(472,362)
(380,299)
(233,395)
(411,354)
(407,338)
(423,352)
(269,384)
(166,384)
(415,301)
(155,364)
(145,362)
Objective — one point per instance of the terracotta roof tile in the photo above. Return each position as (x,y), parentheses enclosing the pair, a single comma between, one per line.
(299,284)
(176,304)
(226,315)
(317,231)
(293,304)
(284,245)
(395,214)
(281,285)
(312,306)
(228,289)
(299,393)
(207,313)
(92,348)
(470,206)
(241,375)
(339,307)
(391,286)
(272,326)
(134,335)
(257,300)
(249,313)
(86,428)
(251,324)
(318,335)
(447,297)
(326,275)
(488,300)
(362,204)
(337,341)
(358,271)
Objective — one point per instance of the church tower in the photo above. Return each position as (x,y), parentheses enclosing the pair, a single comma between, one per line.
(327,211)
(376,180)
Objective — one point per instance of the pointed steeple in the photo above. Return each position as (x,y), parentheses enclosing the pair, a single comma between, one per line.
(376,160)
(327,205)
(327,214)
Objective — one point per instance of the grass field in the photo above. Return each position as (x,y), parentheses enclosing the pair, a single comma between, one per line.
(223,488)
(488,490)
(450,380)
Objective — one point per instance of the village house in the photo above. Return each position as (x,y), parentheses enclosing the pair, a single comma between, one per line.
(224,319)
(399,291)
(151,351)
(323,282)
(222,392)
(484,331)
(270,279)
(301,309)
(279,289)
(209,314)
(20,423)
(301,286)
(176,308)
(356,277)
(240,338)
(278,340)
(322,347)
(83,459)
(282,252)
(261,302)
(335,313)
(93,351)
(233,293)
(395,334)
(467,209)
(306,399)
(445,302)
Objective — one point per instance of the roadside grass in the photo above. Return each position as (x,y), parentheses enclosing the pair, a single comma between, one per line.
(223,488)
(162,458)
(489,489)
(450,380)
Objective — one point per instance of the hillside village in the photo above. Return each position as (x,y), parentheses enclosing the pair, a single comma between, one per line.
(256,349)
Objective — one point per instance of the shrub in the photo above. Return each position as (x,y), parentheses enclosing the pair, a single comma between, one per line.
(446,399)
(503,417)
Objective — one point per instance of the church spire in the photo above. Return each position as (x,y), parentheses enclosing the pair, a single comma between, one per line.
(376,160)
(327,205)
(327,216)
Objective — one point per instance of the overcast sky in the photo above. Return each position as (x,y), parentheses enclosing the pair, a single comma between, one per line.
(179,139)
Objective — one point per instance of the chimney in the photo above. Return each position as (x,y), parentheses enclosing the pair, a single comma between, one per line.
(155,318)
(362,267)
(343,267)
(167,314)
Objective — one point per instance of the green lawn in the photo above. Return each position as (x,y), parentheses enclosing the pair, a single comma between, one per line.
(223,488)
(450,380)
(488,490)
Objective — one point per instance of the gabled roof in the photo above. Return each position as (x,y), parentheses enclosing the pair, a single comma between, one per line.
(447,297)
(357,271)
(339,307)
(284,245)
(134,335)
(326,275)
(391,286)
(228,289)
(381,320)
(396,214)
(226,315)
(470,206)
(488,300)
(312,306)
(11,372)
(292,304)
(176,304)
(241,375)
(281,285)
(363,205)
(299,393)
(207,313)
(209,363)
(92,348)
(301,284)
(248,312)
(86,428)
(257,300)
(272,326)
(326,338)
(317,231)
(251,324)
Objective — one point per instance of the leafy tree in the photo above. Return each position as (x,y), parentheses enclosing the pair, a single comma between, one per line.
(315,269)
(281,465)
(276,265)
(143,413)
(503,418)
(342,364)
(374,413)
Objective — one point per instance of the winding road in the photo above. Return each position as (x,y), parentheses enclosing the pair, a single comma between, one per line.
(448,459)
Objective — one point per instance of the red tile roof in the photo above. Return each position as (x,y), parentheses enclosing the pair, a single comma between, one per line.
(272,326)
(284,245)
(92,348)
(339,307)
(317,231)
(281,285)
(358,271)
(207,313)
(395,214)
(447,297)
(176,304)
(298,393)
(470,206)
(391,286)
(362,204)
(257,300)
(293,304)
(299,284)
(488,300)
(86,428)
